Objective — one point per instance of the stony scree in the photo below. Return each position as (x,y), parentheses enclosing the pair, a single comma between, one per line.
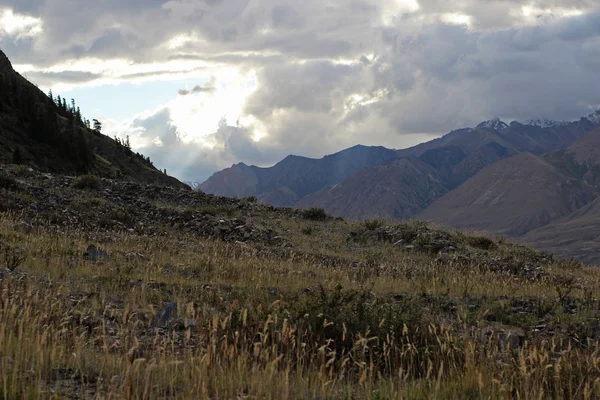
(458,249)
(44,199)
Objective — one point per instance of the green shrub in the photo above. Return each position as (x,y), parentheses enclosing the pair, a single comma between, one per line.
(314,214)
(251,199)
(116,216)
(12,257)
(90,182)
(307,230)
(97,202)
(373,224)
(481,242)
(17,157)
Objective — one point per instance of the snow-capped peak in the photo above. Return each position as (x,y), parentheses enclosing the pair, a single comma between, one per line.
(594,117)
(495,124)
(544,123)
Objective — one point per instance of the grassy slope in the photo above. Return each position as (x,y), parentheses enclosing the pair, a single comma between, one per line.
(334,309)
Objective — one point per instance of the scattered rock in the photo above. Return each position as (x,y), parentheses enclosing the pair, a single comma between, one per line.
(166,317)
(95,254)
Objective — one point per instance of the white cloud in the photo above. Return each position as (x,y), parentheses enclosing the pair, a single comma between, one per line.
(458,19)
(19,26)
(315,76)
(198,115)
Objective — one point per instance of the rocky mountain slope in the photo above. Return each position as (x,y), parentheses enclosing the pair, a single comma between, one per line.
(296,176)
(35,131)
(456,157)
(576,235)
(549,201)
(512,197)
(586,150)
(400,188)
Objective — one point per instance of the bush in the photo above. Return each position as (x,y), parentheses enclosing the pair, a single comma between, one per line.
(8,182)
(115,217)
(307,230)
(12,257)
(91,182)
(481,242)
(373,224)
(251,199)
(315,214)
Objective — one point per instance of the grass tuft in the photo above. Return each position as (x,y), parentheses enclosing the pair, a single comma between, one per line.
(87,182)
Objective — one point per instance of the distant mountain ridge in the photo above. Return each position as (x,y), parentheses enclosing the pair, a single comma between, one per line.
(453,158)
(509,178)
(298,176)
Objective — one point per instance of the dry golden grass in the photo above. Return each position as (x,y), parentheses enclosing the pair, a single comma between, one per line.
(260,325)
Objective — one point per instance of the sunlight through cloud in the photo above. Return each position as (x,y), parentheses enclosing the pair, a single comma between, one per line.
(197,115)
(19,26)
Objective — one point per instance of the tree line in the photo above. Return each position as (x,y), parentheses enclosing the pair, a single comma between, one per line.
(56,122)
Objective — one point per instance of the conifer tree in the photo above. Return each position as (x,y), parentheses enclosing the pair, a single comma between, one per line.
(97,126)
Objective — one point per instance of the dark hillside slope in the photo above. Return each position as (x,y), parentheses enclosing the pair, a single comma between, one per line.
(36,131)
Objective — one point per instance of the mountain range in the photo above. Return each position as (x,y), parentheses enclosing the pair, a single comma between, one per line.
(536,181)
(526,180)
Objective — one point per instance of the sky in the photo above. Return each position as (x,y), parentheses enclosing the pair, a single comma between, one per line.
(199,85)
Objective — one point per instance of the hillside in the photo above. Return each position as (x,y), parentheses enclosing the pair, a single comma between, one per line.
(297,176)
(587,148)
(112,288)
(400,188)
(36,131)
(576,235)
(512,197)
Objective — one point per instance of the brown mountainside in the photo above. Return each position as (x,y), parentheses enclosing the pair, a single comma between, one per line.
(587,148)
(576,235)
(401,188)
(512,197)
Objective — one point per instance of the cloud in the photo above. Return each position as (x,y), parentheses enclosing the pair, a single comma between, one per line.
(18,26)
(315,76)
(208,87)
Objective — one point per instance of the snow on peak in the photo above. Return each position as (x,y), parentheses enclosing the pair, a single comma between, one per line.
(544,123)
(594,117)
(495,124)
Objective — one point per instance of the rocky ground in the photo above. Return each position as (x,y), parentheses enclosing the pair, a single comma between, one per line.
(118,280)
